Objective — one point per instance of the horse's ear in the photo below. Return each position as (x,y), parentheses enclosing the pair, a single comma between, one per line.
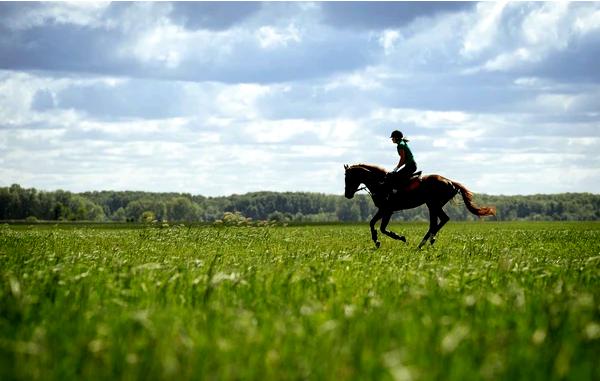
(346,166)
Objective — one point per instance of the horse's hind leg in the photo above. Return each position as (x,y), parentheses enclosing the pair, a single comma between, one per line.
(432,225)
(384,223)
(443,220)
(374,220)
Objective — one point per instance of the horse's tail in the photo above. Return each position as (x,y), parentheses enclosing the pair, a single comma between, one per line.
(467,196)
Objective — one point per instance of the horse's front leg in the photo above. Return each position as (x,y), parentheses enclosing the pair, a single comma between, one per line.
(374,220)
(384,223)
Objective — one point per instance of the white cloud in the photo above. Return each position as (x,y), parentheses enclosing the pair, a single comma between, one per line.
(422,118)
(169,45)
(240,101)
(137,129)
(388,40)
(548,25)
(293,131)
(86,13)
(164,44)
(270,37)
(587,22)
(510,60)
(532,82)
(514,35)
(368,79)
(484,32)
(554,102)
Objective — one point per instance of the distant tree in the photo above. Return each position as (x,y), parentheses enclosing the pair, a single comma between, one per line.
(279,217)
(119,215)
(82,209)
(18,203)
(135,209)
(61,212)
(347,211)
(182,209)
(96,213)
(15,204)
(5,203)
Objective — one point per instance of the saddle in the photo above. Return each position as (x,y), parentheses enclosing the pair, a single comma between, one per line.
(408,185)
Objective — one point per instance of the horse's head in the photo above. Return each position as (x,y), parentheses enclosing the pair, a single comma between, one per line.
(352,182)
(362,174)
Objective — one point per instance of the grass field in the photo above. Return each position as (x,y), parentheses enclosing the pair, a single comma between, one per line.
(512,301)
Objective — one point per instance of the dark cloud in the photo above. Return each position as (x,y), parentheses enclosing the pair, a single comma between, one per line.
(489,92)
(62,47)
(445,92)
(315,58)
(212,15)
(576,63)
(382,15)
(11,9)
(134,99)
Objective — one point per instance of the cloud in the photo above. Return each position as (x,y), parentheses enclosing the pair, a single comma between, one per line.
(217,98)
(270,37)
(549,39)
(212,15)
(125,99)
(145,40)
(385,15)
(19,16)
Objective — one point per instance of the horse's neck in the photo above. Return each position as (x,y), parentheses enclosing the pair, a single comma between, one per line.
(371,180)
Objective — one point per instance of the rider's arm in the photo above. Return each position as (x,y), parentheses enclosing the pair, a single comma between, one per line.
(401,162)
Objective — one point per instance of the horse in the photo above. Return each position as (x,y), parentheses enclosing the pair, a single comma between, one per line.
(432,190)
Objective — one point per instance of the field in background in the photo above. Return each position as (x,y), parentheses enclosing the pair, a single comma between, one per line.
(489,301)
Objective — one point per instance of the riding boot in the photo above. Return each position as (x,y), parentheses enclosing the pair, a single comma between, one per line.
(398,185)
(387,185)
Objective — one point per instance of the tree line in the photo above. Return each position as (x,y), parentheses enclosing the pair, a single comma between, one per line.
(18,203)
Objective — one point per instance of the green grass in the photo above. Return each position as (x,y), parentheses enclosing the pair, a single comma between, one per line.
(512,301)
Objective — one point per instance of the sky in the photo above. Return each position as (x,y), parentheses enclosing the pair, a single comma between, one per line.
(226,98)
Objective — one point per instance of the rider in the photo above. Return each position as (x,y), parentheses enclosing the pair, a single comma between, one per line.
(406,166)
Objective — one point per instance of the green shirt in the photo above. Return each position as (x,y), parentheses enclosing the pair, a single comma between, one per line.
(408,156)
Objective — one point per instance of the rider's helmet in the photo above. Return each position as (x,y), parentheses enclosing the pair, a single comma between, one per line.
(397,134)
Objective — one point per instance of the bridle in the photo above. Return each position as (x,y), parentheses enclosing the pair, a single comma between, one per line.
(364,187)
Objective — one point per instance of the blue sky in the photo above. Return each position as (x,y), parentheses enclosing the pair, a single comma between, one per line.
(222,98)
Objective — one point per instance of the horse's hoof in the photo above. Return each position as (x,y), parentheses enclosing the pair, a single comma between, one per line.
(377,244)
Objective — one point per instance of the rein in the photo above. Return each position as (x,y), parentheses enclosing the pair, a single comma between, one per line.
(364,188)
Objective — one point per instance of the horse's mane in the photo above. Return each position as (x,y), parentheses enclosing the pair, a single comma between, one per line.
(370,167)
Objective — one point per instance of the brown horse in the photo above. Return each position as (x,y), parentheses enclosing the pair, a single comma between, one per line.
(433,190)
